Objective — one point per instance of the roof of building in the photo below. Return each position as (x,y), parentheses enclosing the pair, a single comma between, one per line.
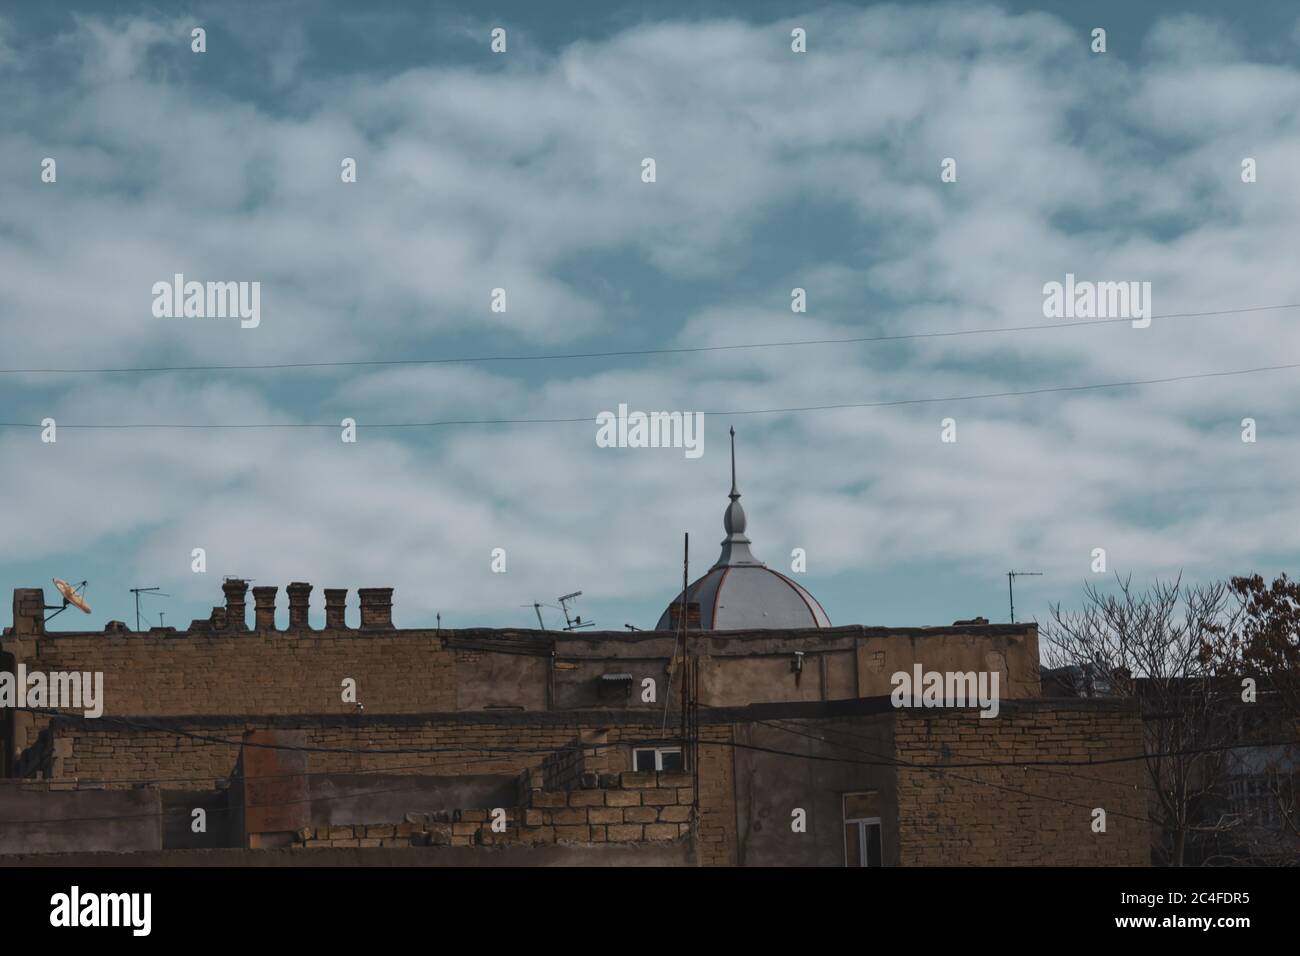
(740,592)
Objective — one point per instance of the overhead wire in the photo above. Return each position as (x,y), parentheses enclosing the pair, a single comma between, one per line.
(626,353)
(793,409)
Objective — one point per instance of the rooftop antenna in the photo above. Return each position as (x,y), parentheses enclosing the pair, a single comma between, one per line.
(572,624)
(70,598)
(155,592)
(537,609)
(1011,594)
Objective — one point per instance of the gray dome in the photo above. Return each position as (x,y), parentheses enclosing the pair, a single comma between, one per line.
(740,592)
(744,597)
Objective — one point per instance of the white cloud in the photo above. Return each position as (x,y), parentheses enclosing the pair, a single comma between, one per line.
(519,178)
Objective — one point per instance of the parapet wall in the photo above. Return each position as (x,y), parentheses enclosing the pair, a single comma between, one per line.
(220,666)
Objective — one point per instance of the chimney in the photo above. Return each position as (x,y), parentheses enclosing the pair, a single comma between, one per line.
(29,612)
(692,615)
(236,590)
(264,608)
(336,609)
(376,608)
(299,605)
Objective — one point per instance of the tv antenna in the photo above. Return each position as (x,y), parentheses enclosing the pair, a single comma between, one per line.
(1011,594)
(574,623)
(537,609)
(71,598)
(151,592)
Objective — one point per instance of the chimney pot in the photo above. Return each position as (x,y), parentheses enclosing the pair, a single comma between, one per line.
(336,609)
(692,615)
(264,607)
(376,608)
(299,605)
(236,591)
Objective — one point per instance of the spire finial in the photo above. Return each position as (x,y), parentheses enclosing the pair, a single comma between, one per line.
(735,548)
(734,493)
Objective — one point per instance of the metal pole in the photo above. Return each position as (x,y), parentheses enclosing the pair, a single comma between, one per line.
(1011,596)
(686,672)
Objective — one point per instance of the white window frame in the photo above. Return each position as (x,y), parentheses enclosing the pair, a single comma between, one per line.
(862,824)
(1251,797)
(659,755)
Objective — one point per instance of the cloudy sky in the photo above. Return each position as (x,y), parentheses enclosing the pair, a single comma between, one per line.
(522,171)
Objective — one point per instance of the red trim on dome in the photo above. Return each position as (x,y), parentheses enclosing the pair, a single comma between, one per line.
(818,613)
(713,619)
(799,590)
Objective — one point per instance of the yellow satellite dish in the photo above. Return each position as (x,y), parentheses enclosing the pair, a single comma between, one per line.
(70,596)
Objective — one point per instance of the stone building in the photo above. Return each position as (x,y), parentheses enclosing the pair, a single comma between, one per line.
(491,746)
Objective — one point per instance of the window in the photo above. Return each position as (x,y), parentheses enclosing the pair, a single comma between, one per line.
(614,688)
(657,758)
(1256,798)
(862,829)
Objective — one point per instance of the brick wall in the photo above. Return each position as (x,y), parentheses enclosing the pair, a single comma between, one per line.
(1022,815)
(186,752)
(114,755)
(220,667)
(950,816)
(432,744)
(633,808)
(717,826)
(396,672)
(582,762)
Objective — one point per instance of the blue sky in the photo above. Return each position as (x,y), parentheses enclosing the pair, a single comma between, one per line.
(522,170)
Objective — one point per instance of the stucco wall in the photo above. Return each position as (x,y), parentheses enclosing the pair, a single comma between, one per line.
(33,815)
(1010,650)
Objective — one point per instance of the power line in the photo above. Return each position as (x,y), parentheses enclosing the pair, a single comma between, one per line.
(107,783)
(227,741)
(396,771)
(911,765)
(1193,376)
(187,811)
(181,811)
(468,753)
(626,353)
(947,770)
(935,768)
(890,762)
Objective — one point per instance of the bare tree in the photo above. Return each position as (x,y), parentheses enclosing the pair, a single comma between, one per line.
(1150,646)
